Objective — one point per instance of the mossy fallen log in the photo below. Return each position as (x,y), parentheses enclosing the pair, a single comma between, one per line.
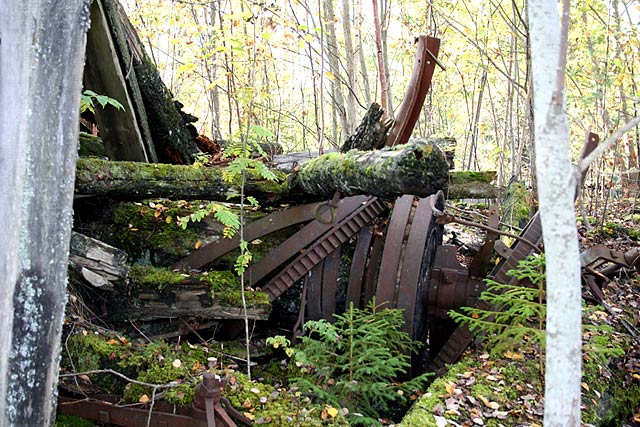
(140,180)
(416,168)
(471,185)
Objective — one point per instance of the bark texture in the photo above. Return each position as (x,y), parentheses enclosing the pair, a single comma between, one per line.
(41,60)
(173,136)
(417,168)
(556,188)
(360,173)
(132,179)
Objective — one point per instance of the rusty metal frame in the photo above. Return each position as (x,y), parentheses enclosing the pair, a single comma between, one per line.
(327,243)
(313,231)
(254,230)
(419,83)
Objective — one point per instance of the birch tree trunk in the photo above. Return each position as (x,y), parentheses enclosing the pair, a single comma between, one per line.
(334,66)
(41,60)
(350,65)
(556,188)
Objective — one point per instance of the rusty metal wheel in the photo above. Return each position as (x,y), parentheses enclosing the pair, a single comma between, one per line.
(409,251)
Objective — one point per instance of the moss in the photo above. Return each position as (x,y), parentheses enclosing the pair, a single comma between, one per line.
(148,231)
(613,229)
(89,351)
(90,146)
(461,177)
(225,286)
(277,406)
(64,420)
(411,168)
(155,277)
(163,372)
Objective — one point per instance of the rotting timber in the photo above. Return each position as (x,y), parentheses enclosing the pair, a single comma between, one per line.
(355,172)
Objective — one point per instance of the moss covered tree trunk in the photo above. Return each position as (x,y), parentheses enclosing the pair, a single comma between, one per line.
(387,174)
(140,180)
(416,168)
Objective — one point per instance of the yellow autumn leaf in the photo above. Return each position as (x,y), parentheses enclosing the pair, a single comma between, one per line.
(249,415)
(330,75)
(186,68)
(333,412)
(144,399)
(168,220)
(450,388)
(513,355)
(198,244)
(584,386)
(113,342)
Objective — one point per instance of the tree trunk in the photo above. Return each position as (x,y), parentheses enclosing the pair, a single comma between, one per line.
(350,64)
(41,59)
(173,136)
(334,65)
(140,180)
(556,188)
(417,168)
(133,180)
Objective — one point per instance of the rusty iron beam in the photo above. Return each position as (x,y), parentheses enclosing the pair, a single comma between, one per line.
(419,83)
(358,267)
(269,224)
(109,413)
(313,280)
(375,256)
(393,248)
(410,284)
(330,283)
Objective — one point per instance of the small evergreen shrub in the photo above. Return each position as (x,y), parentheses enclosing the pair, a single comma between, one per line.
(518,311)
(355,362)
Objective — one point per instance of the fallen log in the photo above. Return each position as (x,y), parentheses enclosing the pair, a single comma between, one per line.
(417,168)
(471,185)
(140,180)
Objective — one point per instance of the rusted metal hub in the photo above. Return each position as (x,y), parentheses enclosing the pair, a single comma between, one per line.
(451,286)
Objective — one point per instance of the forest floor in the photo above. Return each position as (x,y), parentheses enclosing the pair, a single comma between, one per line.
(507,388)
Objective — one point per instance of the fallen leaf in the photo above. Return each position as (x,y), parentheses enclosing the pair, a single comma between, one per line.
(255,390)
(513,355)
(247,403)
(249,415)
(113,341)
(450,388)
(584,386)
(493,405)
(483,399)
(144,399)
(478,421)
(440,421)
(333,412)
(177,363)
(198,244)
